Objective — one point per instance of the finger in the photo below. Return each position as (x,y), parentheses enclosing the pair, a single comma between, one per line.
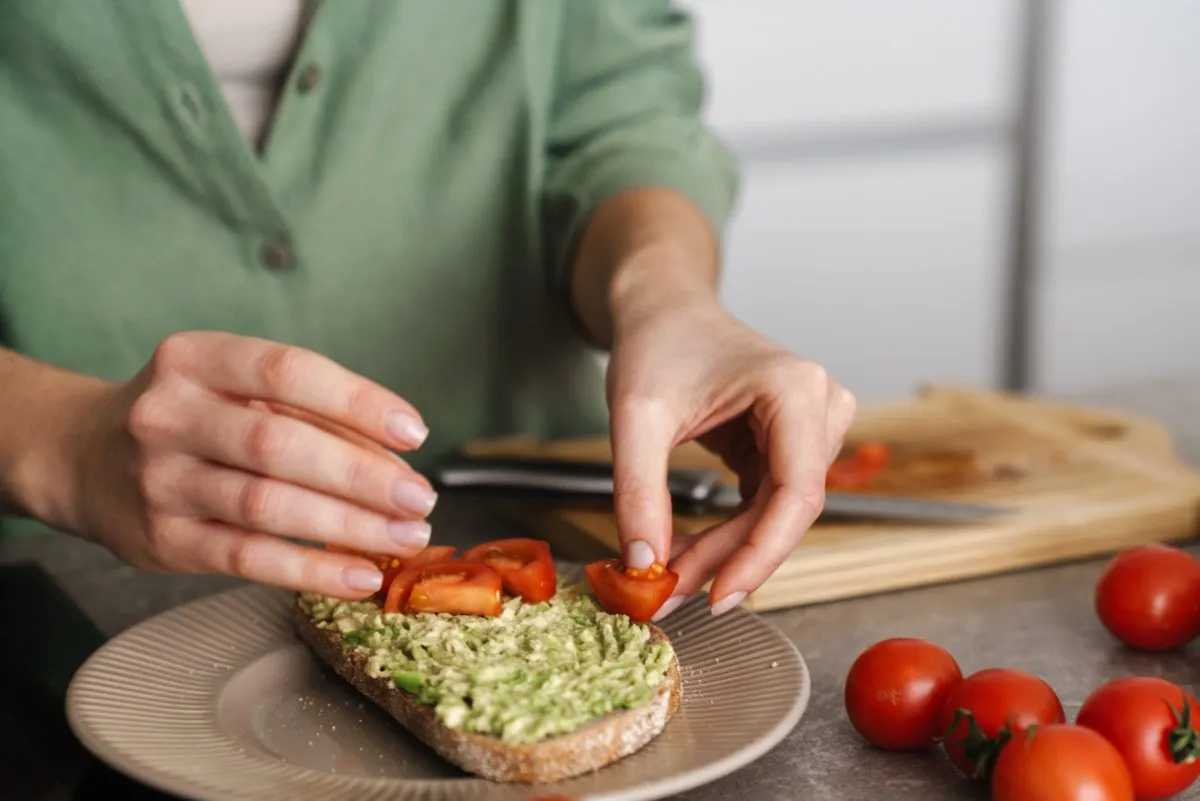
(198,546)
(642,436)
(258,369)
(286,449)
(839,418)
(711,549)
(348,434)
(252,502)
(797,455)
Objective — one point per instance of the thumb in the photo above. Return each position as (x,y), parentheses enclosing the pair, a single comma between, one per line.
(642,437)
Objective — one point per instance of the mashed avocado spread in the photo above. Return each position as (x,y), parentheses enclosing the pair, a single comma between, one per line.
(533,672)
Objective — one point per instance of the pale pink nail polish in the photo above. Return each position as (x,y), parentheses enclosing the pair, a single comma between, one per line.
(362,579)
(639,555)
(413,497)
(410,533)
(670,606)
(728,602)
(407,429)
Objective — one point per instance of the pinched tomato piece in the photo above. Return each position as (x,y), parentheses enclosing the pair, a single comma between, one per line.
(637,594)
(525,566)
(454,587)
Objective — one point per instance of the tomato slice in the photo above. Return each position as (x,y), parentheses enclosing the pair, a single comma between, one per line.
(454,587)
(431,553)
(635,593)
(872,454)
(398,589)
(859,469)
(525,566)
(847,474)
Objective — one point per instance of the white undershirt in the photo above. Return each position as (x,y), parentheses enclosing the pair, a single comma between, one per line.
(249,45)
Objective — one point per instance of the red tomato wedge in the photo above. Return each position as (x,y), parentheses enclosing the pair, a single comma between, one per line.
(399,588)
(454,587)
(525,566)
(848,475)
(635,593)
(398,583)
(859,469)
(872,454)
(431,553)
(392,566)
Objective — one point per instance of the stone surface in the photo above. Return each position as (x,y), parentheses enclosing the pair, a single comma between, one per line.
(1037,620)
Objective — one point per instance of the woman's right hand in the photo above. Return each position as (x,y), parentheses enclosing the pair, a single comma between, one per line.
(223,446)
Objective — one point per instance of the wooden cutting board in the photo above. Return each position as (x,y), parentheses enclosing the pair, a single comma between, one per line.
(1082,482)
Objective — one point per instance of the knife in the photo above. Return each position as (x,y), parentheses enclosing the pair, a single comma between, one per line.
(694,491)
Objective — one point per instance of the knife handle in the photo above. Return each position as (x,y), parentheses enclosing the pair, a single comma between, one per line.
(558,477)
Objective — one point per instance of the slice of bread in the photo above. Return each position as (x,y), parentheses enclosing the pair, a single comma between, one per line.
(602,742)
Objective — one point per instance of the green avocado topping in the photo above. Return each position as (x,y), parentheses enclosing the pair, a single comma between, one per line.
(535,671)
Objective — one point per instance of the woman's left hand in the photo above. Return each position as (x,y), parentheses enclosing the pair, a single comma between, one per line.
(694,372)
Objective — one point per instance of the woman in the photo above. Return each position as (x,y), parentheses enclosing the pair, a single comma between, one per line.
(223,222)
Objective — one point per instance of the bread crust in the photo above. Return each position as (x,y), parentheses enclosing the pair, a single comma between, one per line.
(589,748)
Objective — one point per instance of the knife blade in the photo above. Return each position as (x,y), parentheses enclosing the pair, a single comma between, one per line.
(694,491)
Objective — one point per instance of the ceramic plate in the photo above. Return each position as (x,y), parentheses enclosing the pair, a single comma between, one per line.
(219,700)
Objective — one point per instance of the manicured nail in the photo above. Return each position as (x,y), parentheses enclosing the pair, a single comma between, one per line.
(413,497)
(407,429)
(728,602)
(362,579)
(410,533)
(670,606)
(639,554)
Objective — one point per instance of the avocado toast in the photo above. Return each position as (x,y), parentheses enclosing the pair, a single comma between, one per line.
(528,692)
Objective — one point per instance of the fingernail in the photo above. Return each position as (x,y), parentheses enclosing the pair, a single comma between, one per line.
(413,497)
(407,429)
(639,554)
(362,579)
(410,533)
(670,606)
(728,602)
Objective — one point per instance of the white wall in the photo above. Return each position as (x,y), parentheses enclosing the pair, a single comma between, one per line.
(1120,250)
(872,138)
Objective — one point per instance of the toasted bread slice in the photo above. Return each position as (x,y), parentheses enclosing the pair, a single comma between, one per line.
(602,742)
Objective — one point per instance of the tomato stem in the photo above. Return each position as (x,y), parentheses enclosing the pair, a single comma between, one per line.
(979,749)
(1183,741)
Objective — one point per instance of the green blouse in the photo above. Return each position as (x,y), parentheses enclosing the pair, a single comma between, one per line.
(410,213)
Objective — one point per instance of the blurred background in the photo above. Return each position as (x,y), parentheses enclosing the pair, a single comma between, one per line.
(1001,193)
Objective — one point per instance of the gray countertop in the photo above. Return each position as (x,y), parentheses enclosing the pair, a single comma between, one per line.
(1037,620)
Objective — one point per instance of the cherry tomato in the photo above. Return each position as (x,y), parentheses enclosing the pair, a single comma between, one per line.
(455,587)
(988,707)
(1151,723)
(895,690)
(1149,597)
(636,593)
(1058,762)
(525,566)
